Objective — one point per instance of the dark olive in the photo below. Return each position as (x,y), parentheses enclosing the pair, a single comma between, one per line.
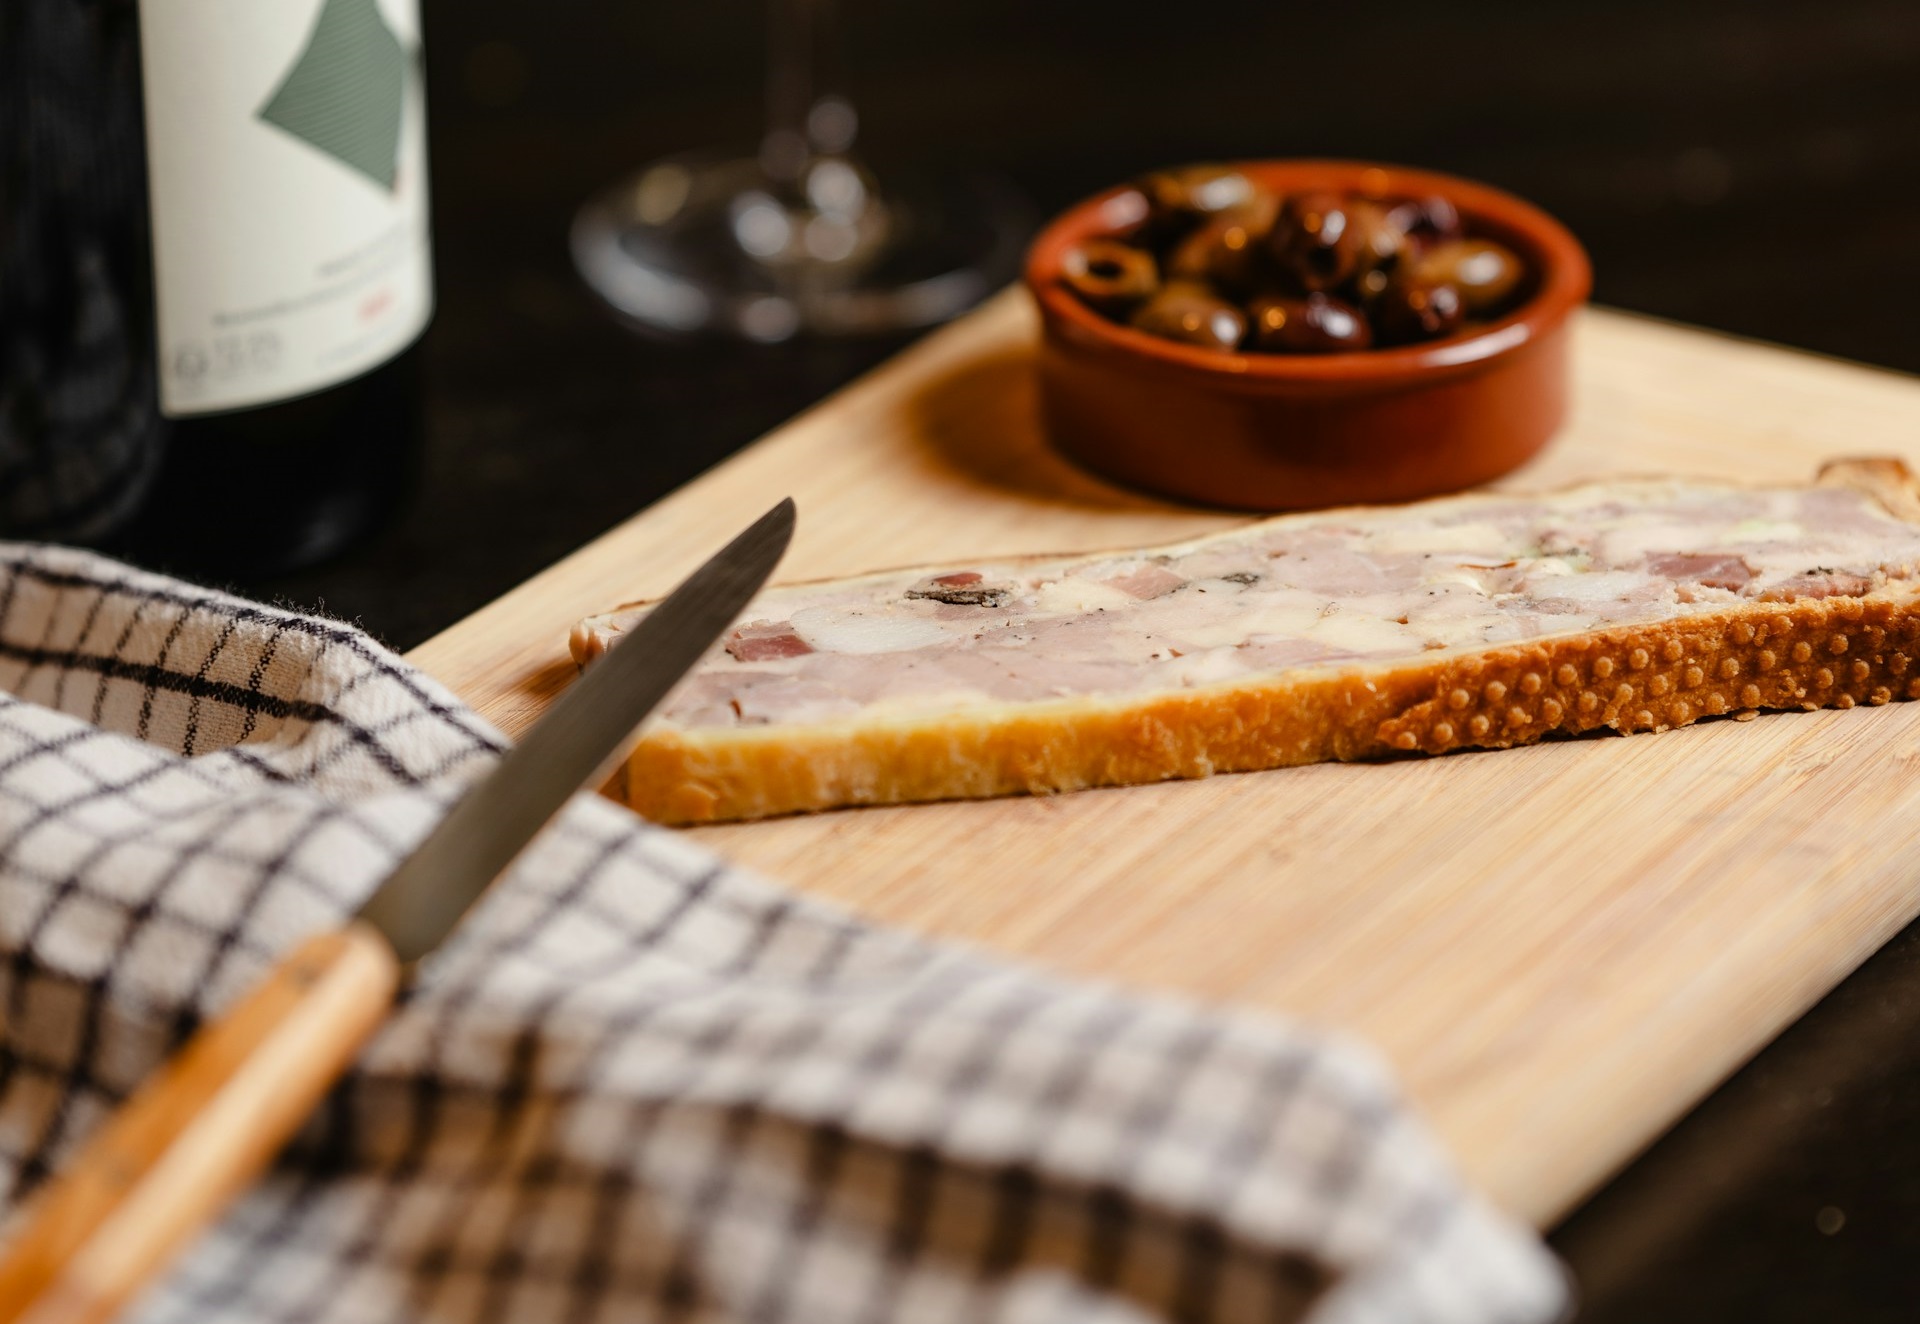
(1193,314)
(1227,250)
(1411,309)
(1426,221)
(1317,324)
(1315,241)
(1485,273)
(1370,285)
(1110,276)
(1176,198)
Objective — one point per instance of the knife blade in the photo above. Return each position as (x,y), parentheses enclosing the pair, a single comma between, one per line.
(203,1127)
(580,735)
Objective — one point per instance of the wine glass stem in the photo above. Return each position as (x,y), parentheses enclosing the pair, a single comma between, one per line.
(805,113)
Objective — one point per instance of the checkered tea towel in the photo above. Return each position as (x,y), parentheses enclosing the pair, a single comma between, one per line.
(638,1084)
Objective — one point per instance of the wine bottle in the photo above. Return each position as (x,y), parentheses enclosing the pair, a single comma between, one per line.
(214,273)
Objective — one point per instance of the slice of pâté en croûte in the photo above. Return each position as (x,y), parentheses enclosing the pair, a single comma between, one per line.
(1484,620)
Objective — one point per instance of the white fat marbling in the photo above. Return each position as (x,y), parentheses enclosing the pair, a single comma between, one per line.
(1342,589)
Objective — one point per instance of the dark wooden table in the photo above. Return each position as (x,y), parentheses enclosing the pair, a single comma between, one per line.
(1751,166)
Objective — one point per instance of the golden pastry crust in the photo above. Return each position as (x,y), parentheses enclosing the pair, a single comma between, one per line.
(1831,652)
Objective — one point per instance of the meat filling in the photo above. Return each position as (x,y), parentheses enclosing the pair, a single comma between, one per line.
(1347,589)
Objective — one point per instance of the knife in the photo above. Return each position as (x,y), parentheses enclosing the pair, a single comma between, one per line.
(208,1122)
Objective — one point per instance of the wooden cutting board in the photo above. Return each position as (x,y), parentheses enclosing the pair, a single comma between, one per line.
(1561,948)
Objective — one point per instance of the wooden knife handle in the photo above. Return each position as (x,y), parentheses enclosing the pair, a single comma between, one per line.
(197,1133)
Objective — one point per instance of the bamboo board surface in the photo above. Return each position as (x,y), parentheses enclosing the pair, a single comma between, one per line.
(1560,948)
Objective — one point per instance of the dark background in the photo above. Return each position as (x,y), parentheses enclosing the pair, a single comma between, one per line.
(1749,166)
(1753,167)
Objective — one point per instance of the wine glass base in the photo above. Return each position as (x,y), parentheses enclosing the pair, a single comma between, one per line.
(665,250)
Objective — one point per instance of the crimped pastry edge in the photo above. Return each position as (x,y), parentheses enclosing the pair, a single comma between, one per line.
(1807,654)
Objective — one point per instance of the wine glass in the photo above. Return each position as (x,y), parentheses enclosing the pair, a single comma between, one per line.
(798,237)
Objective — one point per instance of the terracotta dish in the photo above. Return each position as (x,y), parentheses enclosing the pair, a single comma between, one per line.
(1287,432)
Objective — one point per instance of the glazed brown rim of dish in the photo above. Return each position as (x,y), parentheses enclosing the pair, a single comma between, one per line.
(1559,265)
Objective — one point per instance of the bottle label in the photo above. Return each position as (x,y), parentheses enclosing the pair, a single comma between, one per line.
(287,166)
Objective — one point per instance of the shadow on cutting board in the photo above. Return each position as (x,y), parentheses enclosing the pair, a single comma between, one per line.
(983,420)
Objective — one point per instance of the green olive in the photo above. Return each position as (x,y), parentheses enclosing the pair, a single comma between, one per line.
(1228,251)
(1192,314)
(1379,239)
(1485,273)
(1109,276)
(1177,198)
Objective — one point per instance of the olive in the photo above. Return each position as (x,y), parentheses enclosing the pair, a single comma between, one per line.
(1176,198)
(1412,309)
(1485,273)
(1426,221)
(1110,276)
(1315,241)
(1227,249)
(1381,240)
(1317,324)
(1370,285)
(1193,314)
(1211,258)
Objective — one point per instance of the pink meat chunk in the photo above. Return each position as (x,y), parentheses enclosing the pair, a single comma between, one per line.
(1707,569)
(763,641)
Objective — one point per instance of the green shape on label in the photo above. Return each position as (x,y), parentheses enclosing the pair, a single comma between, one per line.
(347,90)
